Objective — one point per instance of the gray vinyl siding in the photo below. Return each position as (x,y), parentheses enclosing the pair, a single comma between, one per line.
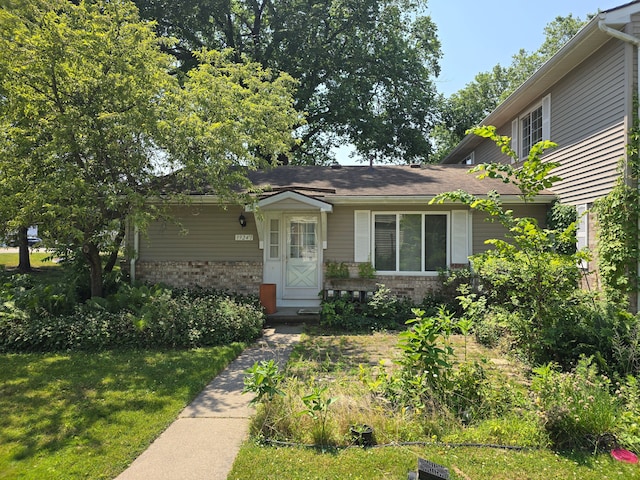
(205,233)
(484,230)
(588,122)
(488,152)
(340,234)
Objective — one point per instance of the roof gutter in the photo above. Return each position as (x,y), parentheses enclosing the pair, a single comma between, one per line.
(625,37)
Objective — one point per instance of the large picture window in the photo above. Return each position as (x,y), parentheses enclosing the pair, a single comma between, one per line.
(410,242)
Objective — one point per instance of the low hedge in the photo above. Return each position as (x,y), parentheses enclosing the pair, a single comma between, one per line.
(135,317)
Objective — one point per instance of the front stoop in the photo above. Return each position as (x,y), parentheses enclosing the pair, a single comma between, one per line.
(294,316)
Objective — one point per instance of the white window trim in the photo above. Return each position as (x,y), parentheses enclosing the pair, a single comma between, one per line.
(582,232)
(422,249)
(516,129)
(279,238)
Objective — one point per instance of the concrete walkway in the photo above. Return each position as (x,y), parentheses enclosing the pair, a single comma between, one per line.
(205,438)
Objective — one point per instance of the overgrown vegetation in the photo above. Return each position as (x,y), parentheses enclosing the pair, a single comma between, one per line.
(576,388)
(526,289)
(470,395)
(37,316)
(618,214)
(381,311)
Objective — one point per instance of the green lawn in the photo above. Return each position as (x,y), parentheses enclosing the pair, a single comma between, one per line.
(10,259)
(88,415)
(268,463)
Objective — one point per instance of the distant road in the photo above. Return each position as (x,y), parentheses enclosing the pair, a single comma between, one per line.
(15,249)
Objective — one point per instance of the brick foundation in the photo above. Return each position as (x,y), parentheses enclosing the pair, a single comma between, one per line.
(415,288)
(238,277)
(246,277)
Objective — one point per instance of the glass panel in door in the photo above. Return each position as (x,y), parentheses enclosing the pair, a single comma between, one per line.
(302,253)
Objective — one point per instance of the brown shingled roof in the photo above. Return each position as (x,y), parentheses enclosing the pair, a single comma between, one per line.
(379,180)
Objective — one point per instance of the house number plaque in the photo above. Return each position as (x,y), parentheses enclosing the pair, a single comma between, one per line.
(244,238)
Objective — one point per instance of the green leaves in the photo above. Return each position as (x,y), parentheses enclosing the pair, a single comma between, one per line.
(263,379)
(425,348)
(365,68)
(92,119)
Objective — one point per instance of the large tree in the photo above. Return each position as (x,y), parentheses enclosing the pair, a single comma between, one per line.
(92,121)
(470,105)
(365,67)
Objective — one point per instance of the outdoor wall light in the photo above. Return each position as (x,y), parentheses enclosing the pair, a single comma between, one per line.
(242,221)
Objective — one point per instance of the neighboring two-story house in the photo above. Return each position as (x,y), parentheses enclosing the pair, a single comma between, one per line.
(583,99)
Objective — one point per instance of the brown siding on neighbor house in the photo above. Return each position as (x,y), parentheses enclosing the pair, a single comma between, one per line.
(588,122)
(205,233)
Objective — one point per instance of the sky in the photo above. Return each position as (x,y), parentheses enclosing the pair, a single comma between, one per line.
(474,39)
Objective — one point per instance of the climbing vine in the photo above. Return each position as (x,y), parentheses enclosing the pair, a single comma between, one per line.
(618,214)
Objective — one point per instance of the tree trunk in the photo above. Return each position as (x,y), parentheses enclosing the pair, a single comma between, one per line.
(24,263)
(113,256)
(92,256)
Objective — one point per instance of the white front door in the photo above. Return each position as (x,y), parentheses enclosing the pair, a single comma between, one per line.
(302,257)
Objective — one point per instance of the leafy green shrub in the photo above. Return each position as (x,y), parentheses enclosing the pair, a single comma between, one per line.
(388,309)
(136,317)
(382,311)
(560,218)
(576,408)
(628,427)
(336,270)
(425,362)
(449,290)
(317,407)
(34,298)
(338,312)
(263,379)
(425,345)
(524,272)
(366,270)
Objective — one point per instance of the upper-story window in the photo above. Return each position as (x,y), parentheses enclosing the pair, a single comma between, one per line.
(530,130)
(531,127)
(469,159)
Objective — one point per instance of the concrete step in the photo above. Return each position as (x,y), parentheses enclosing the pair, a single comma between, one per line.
(294,316)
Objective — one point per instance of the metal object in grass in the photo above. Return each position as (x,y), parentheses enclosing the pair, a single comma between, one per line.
(362,435)
(429,471)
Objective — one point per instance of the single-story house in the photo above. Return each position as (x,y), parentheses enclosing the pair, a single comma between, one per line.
(312,215)
(583,99)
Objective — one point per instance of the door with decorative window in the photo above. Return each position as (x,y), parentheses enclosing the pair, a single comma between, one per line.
(302,257)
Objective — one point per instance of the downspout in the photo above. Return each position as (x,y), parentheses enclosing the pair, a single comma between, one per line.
(134,257)
(625,37)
